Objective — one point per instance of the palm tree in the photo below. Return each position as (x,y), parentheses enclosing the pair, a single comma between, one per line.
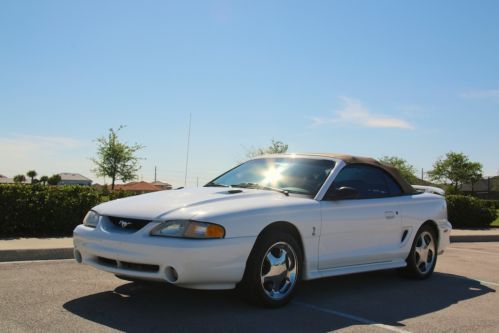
(19,179)
(44,179)
(31,174)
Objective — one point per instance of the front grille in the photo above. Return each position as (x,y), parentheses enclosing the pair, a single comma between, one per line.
(128,224)
(127,265)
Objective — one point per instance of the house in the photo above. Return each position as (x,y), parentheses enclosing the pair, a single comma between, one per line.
(74,179)
(6,180)
(162,185)
(137,187)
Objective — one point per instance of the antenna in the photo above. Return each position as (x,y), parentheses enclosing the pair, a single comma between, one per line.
(188,146)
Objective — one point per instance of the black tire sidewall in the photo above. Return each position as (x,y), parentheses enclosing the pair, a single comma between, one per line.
(412,269)
(251,282)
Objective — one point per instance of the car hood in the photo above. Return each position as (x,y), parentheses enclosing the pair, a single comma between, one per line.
(158,204)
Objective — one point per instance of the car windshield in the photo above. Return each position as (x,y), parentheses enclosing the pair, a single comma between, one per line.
(287,175)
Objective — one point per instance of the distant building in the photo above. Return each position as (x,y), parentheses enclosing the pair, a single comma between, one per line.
(5,180)
(488,184)
(74,179)
(162,186)
(137,187)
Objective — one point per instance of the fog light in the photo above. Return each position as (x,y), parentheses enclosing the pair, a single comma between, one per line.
(171,274)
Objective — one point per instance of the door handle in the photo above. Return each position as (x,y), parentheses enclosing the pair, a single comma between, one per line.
(390,214)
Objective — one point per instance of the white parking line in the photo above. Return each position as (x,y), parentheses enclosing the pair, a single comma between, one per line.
(481,281)
(474,251)
(352,317)
(489,283)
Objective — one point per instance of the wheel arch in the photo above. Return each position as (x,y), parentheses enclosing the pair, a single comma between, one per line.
(287,227)
(281,226)
(435,228)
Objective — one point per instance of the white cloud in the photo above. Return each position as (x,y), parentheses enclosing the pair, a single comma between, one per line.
(481,94)
(353,112)
(47,155)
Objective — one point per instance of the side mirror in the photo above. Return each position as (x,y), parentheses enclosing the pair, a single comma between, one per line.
(343,193)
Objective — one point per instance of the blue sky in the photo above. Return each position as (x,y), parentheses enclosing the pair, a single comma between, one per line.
(413,79)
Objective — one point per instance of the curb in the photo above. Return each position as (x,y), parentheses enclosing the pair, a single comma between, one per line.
(42,254)
(474,238)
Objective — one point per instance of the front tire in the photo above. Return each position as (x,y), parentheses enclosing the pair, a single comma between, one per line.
(423,256)
(273,270)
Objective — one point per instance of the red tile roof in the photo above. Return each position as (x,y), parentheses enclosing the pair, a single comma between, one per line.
(137,186)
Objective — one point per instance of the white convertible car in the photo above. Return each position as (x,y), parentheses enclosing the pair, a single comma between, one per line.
(269,223)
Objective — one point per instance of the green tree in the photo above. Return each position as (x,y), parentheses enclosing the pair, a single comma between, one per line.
(44,179)
(54,180)
(19,179)
(116,159)
(276,147)
(407,170)
(31,174)
(455,170)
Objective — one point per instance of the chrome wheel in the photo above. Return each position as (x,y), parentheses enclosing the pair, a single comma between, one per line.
(424,252)
(279,270)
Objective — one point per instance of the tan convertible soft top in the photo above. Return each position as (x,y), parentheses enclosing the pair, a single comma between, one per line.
(349,159)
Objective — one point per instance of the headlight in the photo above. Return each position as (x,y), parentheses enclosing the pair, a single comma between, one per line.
(91,219)
(188,229)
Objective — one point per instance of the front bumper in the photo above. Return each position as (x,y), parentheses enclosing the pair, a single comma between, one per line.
(198,264)
(444,230)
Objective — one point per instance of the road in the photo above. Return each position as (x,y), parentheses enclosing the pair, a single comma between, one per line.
(62,296)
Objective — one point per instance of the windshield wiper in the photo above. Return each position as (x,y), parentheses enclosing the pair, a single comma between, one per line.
(212,184)
(260,187)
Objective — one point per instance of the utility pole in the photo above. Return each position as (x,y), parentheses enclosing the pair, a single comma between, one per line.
(188,146)
(155,174)
(422,174)
(197,181)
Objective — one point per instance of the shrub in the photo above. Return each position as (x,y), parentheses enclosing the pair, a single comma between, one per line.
(493,203)
(467,211)
(44,211)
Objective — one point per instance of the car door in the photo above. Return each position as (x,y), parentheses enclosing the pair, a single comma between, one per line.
(361,228)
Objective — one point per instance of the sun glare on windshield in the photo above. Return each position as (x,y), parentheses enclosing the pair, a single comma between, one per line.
(273,174)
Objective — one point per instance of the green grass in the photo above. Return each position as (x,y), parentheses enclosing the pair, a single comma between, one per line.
(496,222)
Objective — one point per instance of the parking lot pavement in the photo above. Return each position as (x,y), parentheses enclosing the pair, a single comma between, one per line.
(61,296)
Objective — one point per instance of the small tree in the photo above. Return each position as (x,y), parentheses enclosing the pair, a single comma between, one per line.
(407,170)
(54,180)
(276,147)
(31,174)
(44,179)
(115,159)
(19,179)
(454,170)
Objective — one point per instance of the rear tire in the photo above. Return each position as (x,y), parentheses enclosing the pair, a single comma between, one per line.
(273,270)
(423,256)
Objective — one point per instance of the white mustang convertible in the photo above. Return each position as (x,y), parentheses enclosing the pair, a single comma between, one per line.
(269,223)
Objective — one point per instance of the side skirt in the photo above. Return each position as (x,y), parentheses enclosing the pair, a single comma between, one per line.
(344,270)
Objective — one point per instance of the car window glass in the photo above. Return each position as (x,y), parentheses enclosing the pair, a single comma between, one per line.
(295,175)
(393,187)
(369,181)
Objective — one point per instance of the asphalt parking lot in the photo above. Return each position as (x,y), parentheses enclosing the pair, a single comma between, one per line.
(59,296)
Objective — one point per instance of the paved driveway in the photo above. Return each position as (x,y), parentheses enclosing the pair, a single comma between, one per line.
(61,296)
